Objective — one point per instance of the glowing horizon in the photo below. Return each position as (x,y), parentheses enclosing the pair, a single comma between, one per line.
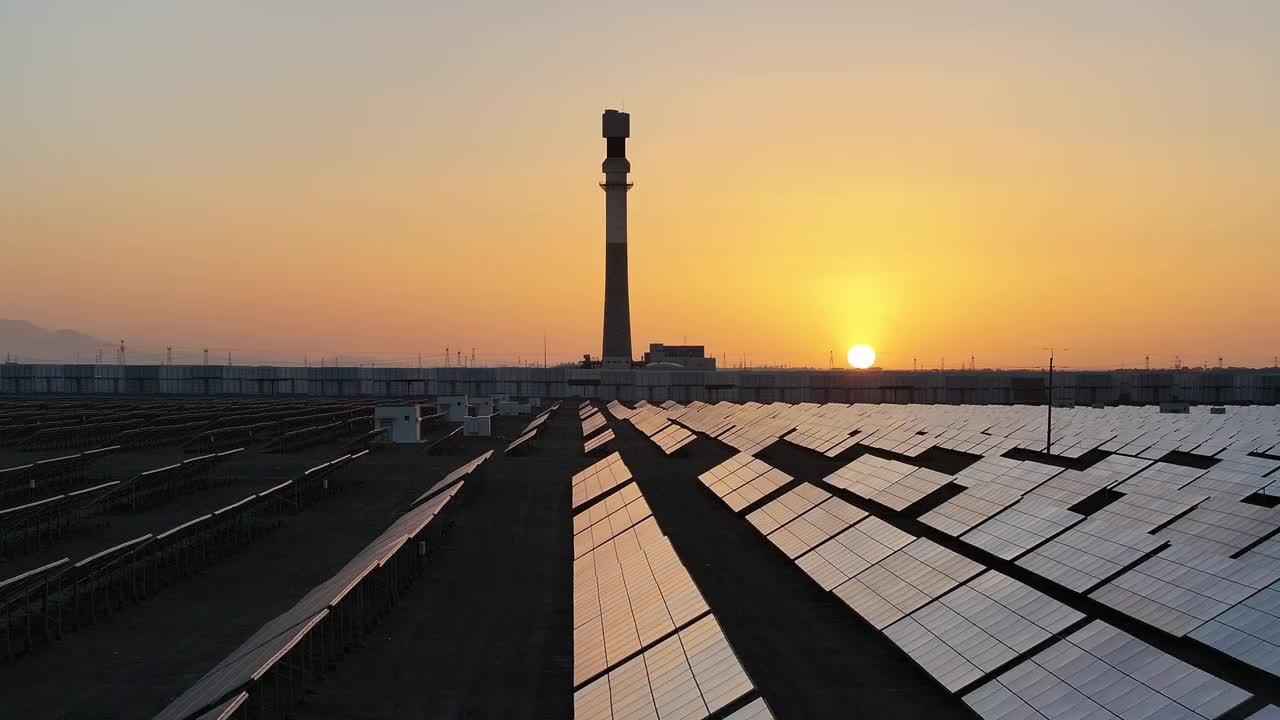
(950,183)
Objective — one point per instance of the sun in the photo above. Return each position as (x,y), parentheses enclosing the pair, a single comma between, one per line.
(862,356)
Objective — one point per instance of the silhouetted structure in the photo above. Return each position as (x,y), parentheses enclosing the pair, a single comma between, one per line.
(616,351)
(689,357)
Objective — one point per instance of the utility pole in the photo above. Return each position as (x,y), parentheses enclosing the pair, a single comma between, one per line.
(168,355)
(831,359)
(228,358)
(206,357)
(473,357)
(973,364)
(122,360)
(1148,363)
(544,349)
(1048,430)
(446,356)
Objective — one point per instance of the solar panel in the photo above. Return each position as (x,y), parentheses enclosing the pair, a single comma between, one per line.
(742,480)
(611,525)
(754,710)
(1270,712)
(650,422)
(905,581)
(628,593)
(1160,478)
(672,438)
(1021,527)
(618,410)
(226,710)
(1269,548)
(1224,525)
(1089,554)
(692,674)
(1147,512)
(611,504)
(597,442)
(1182,587)
(598,479)
(971,507)
(787,507)
(978,627)
(592,424)
(520,443)
(1101,672)
(259,655)
(1248,631)
(453,477)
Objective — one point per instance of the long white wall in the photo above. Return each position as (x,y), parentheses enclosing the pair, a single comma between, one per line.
(980,387)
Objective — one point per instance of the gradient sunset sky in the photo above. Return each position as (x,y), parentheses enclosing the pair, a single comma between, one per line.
(932,178)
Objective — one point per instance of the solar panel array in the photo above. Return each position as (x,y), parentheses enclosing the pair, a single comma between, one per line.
(323,610)
(1101,672)
(1182,587)
(645,641)
(1170,519)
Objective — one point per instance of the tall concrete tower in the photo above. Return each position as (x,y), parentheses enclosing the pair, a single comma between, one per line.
(616,352)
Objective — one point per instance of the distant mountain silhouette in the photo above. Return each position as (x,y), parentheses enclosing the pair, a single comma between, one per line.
(32,343)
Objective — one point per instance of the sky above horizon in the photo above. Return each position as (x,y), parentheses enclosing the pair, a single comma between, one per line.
(935,179)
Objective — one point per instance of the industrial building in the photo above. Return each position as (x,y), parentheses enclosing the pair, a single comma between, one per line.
(686,357)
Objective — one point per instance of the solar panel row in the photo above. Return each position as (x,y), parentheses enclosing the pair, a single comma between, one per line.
(453,478)
(1018,510)
(310,635)
(1101,672)
(692,674)
(598,479)
(629,593)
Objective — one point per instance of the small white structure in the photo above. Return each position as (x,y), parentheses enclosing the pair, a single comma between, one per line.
(506,407)
(477,426)
(482,406)
(454,405)
(404,422)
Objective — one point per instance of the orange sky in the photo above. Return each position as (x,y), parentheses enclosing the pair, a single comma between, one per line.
(320,178)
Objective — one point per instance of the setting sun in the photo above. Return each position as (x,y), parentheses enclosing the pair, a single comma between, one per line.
(862,356)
